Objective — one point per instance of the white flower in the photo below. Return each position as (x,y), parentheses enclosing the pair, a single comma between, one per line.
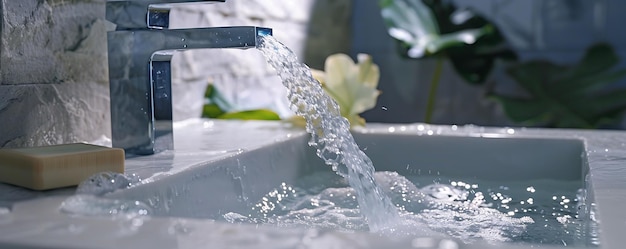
(352,85)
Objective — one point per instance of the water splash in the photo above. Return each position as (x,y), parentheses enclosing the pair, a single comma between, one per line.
(106,182)
(330,133)
(90,205)
(469,210)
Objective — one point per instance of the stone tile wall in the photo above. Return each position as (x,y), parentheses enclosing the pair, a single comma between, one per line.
(53,74)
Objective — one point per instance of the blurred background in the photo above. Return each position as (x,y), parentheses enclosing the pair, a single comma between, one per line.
(546,63)
(555,31)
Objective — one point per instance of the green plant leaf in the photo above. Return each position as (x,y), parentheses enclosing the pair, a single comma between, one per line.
(216,106)
(211,111)
(434,27)
(214,96)
(576,96)
(261,114)
(593,70)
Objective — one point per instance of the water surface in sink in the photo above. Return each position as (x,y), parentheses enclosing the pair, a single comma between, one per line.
(537,211)
(529,190)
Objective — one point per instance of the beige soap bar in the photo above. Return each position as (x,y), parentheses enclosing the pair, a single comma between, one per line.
(48,167)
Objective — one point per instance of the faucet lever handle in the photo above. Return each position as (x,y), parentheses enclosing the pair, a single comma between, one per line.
(144,14)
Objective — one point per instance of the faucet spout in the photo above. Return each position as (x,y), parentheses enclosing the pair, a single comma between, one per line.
(140,79)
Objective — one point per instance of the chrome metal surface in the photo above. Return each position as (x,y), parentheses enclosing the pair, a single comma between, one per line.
(139,54)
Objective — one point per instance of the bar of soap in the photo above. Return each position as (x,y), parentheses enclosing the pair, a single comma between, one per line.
(57,166)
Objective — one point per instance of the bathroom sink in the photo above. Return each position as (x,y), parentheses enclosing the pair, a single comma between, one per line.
(236,183)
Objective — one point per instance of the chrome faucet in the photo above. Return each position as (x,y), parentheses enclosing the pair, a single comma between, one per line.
(139,53)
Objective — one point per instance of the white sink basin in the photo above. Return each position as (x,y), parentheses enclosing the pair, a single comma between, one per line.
(236,183)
